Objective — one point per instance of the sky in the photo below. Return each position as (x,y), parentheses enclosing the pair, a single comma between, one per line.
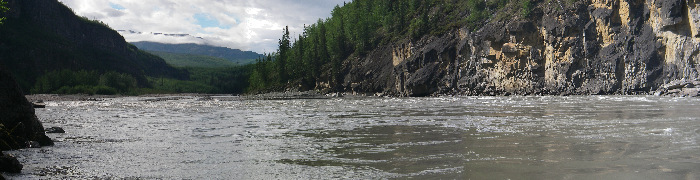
(251,25)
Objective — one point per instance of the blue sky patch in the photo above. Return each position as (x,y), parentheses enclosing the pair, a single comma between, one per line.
(116,6)
(206,20)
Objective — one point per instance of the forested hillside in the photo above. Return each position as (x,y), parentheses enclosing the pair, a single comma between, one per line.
(51,50)
(321,55)
(43,36)
(492,47)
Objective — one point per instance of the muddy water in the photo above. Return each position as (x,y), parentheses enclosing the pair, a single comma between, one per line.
(579,137)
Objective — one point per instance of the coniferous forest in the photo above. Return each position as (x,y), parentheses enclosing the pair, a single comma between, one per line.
(319,54)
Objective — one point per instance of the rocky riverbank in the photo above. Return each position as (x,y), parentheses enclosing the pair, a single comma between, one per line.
(680,88)
(560,48)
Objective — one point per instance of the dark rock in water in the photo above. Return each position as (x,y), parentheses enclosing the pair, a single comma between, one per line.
(32,144)
(39,104)
(18,122)
(10,164)
(55,130)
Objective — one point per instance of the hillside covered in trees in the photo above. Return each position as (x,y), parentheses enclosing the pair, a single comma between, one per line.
(321,56)
(49,49)
(491,47)
(39,37)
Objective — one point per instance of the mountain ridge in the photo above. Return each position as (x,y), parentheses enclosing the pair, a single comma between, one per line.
(191,60)
(233,55)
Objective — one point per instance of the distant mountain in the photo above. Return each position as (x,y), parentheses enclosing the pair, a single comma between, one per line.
(233,55)
(123,32)
(192,60)
(41,36)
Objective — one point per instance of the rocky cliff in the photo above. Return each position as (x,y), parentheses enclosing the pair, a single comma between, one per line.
(579,47)
(40,36)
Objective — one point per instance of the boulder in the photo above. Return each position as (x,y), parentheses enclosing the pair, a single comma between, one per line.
(510,48)
(19,126)
(9,163)
(670,11)
(19,123)
(55,130)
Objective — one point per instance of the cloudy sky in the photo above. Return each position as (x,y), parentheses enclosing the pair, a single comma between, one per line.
(254,25)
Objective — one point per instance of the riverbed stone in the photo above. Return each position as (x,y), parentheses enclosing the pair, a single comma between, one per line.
(55,130)
(19,123)
(9,163)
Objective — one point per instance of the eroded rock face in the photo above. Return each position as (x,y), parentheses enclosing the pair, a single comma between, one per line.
(588,47)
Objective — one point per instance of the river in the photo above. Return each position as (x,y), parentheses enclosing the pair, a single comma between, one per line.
(516,137)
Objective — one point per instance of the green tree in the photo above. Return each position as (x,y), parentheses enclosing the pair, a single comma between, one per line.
(3,9)
(119,81)
(321,47)
(526,7)
(283,54)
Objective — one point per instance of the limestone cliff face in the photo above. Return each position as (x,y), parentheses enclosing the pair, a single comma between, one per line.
(587,47)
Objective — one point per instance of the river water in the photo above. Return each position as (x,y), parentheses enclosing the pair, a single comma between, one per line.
(531,137)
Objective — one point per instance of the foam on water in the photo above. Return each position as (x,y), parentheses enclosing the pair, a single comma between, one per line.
(224,137)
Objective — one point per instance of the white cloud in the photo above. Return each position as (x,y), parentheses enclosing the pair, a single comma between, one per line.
(253,25)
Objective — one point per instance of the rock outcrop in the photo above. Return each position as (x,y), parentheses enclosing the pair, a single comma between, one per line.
(19,126)
(581,47)
(18,123)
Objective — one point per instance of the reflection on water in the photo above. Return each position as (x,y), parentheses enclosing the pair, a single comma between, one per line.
(579,137)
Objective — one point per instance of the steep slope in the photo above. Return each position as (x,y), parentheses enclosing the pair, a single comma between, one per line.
(587,47)
(40,36)
(501,47)
(233,55)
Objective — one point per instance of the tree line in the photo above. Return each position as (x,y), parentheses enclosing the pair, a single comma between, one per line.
(85,82)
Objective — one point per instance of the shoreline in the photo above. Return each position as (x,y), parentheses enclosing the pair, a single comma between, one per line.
(85,97)
(674,92)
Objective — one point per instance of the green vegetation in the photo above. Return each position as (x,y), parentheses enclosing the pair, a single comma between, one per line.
(526,7)
(205,80)
(48,56)
(202,80)
(318,54)
(33,50)
(190,60)
(85,82)
(3,9)
(233,55)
